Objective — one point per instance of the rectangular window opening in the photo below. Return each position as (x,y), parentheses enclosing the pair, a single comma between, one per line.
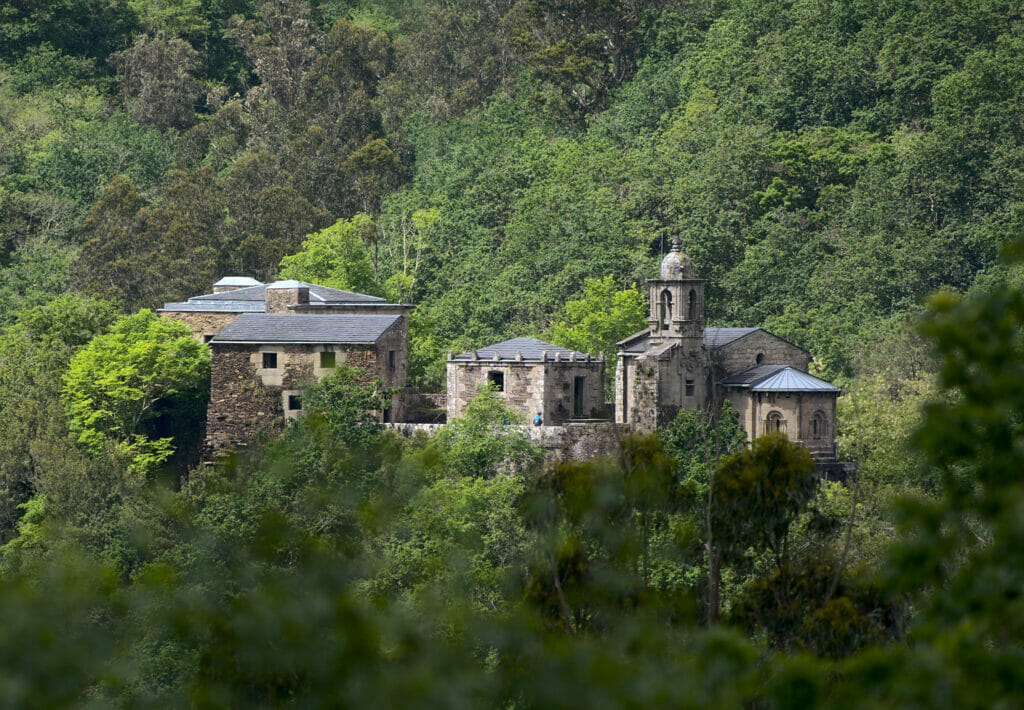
(207,337)
(269,361)
(294,403)
(327,359)
(689,388)
(391,359)
(497,379)
(578,386)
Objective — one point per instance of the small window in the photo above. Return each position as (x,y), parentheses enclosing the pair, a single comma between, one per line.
(689,388)
(207,337)
(497,379)
(391,359)
(774,422)
(760,358)
(327,359)
(269,361)
(294,403)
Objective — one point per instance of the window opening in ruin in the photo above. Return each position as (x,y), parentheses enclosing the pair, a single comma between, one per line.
(327,359)
(294,403)
(818,427)
(497,379)
(774,422)
(578,384)
(689,388)
(207,337)
(691,308)
(387,416)
(760,358)
(269,361)
(666,308)
(391,359)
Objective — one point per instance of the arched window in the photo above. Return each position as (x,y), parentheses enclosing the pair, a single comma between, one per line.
(666,308)
(774,422)
(819,425)
(760,358)
(691,307)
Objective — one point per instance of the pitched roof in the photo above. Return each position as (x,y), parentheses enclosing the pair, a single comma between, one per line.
(778,378)
(301,328)
(237,281)
(316,294)
(530,349)
(715,338)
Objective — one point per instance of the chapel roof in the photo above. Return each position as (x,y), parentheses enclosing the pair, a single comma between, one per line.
(527,349)
(714,338)
(777,378)
(305,329)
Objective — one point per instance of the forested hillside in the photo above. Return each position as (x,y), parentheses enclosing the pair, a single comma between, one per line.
(513,168)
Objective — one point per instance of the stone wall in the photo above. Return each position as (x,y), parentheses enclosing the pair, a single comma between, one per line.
(396,374)
(530,387)
(282,300)
(797,410)
(742,353)
(246,398)
(571,442)
(203,325)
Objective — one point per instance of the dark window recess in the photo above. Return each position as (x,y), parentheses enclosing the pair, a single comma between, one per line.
(387,416)
(689,388)
(391,359)
(294,402)
(207,338)
(760,358)
(269,361)
(497,379)
(578,385)
(327,359)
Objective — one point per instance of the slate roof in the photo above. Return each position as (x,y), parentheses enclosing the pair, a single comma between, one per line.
(778,378)
(714,338)
(305,329)
(252,299)
(244,281)
(316,294)
(531,349)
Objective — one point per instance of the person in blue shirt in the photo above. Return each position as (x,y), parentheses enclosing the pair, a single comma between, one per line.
(538,420)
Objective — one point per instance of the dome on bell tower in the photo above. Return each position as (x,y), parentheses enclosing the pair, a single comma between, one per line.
(676,264)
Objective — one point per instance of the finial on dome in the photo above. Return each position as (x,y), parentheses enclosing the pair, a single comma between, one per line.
(676,264)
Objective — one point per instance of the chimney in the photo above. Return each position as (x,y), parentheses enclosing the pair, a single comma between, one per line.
(282,296)
(233,283)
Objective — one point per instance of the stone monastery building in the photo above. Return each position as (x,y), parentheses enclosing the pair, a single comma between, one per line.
(269,340)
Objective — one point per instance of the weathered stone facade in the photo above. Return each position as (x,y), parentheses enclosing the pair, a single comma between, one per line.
(678,363)
(203,325)
(561,387)
(247,398)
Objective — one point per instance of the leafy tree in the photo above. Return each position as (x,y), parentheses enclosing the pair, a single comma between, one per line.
(336,257)
(156,80)
(756,496)
(120,385)
(604,316)
(482,443)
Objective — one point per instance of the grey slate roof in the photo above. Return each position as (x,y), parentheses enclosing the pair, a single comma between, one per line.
(316,294)
(778,378)
(301,328)
(714,338)
(241,281)
(530,348)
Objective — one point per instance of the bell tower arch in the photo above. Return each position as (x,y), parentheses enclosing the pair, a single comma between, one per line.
(676,298)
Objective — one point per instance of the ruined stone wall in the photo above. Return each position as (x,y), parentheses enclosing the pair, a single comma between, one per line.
(743,353)
(559,390)
(394,341)
(643,393)
(203,325)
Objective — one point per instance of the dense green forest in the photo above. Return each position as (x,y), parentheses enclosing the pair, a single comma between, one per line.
(846,173)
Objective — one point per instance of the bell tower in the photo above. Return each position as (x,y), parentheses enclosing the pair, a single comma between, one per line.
(677,299)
